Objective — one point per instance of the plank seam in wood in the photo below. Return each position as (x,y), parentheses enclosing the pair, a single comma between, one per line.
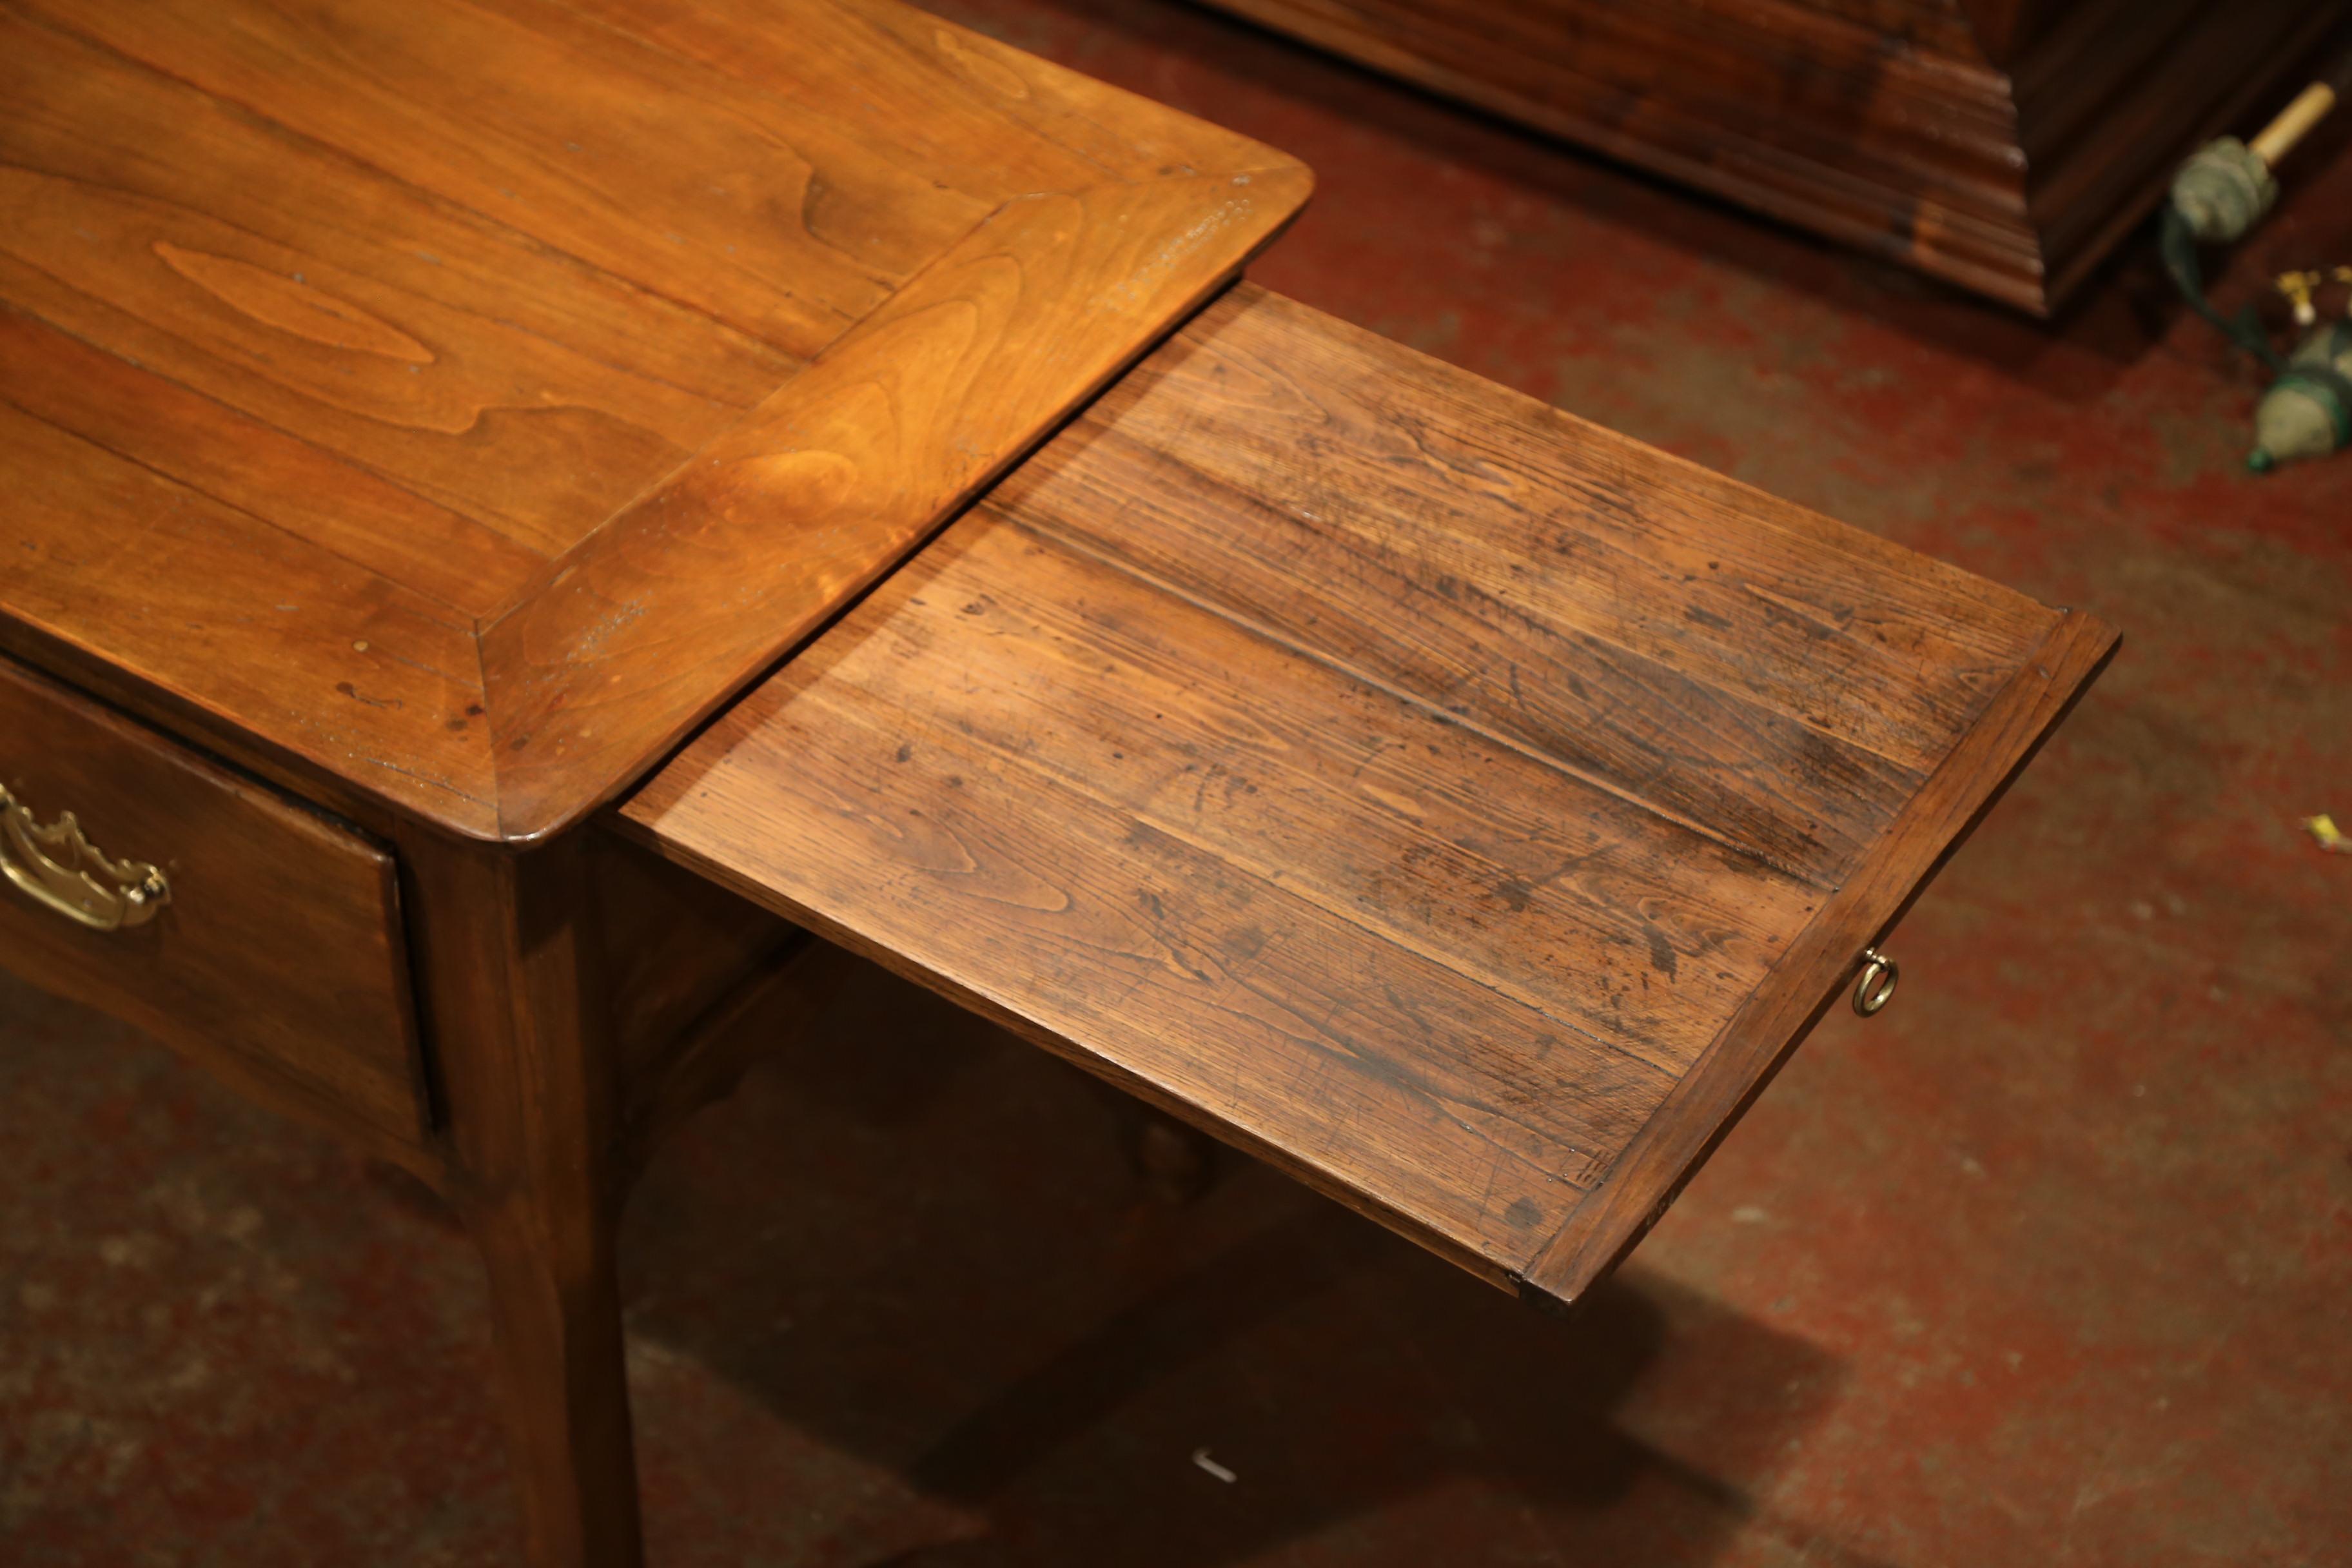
(465,619)
(461,623)
(1013,760)
(1316,1037)
(439,200)
(1461,391)
(556,566)
(1669,1148)
(1341,666)
(1045,1037)
(537,712)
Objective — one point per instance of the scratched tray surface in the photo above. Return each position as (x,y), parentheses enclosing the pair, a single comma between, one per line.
(460,400)
(1462,805)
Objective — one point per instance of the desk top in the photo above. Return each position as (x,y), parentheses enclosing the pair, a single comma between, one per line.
(447,403)
(1466,807)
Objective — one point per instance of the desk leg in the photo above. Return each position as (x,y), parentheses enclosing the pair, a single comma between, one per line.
(516,1023)
(1176,1162)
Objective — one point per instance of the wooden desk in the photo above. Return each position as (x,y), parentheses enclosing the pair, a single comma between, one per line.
(419,419)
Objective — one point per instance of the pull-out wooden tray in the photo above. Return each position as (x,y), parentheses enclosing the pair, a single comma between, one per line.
(1461,806)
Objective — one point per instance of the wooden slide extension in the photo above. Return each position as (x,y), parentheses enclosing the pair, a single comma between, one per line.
(1461,806)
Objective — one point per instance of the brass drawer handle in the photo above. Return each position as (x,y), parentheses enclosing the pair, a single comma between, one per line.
(1875,987)
(60,868)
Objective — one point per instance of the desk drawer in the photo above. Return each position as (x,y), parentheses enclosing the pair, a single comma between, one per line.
(270,947)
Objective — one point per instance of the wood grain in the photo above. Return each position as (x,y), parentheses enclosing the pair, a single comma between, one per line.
(347,666)
(604,151)
(512,982)
(1455,803)
(1819,964)
(439,408)
(1535,575)
(624,341)
(1068,674)
(639,634)
(279,962)
(2005,145)
(340,305)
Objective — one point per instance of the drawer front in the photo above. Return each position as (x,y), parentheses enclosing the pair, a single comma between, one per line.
(267,943)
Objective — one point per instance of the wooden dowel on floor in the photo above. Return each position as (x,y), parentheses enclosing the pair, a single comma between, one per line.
(2294,123)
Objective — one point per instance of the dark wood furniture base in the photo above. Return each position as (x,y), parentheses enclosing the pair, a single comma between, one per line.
(2003,145)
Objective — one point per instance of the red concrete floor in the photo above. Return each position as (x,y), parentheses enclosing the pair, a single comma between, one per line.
(2049,1265)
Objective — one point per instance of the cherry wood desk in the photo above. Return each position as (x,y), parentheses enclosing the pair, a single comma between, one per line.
(420,419)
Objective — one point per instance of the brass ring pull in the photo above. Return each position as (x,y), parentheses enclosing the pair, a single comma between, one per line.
(60,870)
(1875,988)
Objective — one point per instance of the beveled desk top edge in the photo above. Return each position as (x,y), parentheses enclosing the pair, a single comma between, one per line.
(553,711)
(1107,219)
